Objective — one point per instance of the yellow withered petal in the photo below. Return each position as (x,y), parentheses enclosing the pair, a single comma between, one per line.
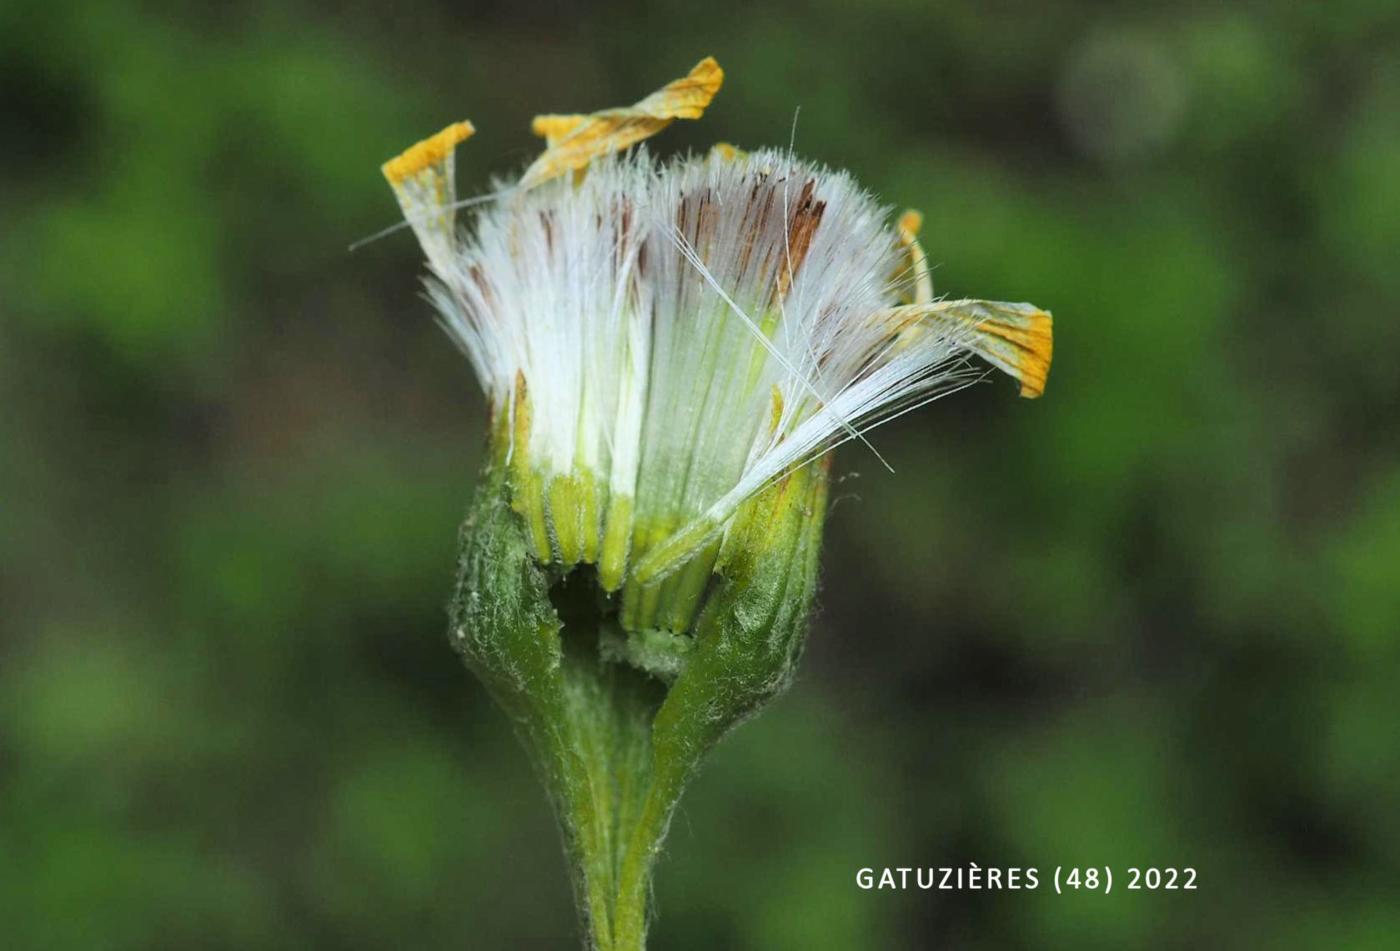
(422,179)
(726,152)
(1017,339)
(915,265)
(574,141)
(553,128)
(425,155)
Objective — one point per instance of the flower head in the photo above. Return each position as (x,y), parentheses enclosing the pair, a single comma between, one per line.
(666,348)
(660,341)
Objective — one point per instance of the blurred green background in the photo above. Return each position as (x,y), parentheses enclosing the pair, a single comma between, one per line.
(1148,620)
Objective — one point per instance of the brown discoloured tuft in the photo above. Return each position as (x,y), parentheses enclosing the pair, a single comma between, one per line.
(803,228)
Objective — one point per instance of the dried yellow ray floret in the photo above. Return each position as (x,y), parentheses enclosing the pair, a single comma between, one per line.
(725,151)
(427,155)
(1017,339)
(920,289)
(553,128)
(422,179)
(572,141)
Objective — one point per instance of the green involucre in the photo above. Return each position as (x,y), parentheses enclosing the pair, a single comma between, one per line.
(616,721)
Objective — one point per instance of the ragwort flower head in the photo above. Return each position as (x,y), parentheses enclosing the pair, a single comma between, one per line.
(661,340)
(667,347)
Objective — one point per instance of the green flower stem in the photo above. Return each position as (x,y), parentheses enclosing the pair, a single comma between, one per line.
(617,722)
(629,931)
(608,757)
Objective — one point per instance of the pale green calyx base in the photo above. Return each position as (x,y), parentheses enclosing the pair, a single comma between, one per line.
(617,717)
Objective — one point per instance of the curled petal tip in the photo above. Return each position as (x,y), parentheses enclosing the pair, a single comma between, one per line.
(687,98)
(1034,364)
(421,177)
(425,154)
(572,141)
(554,128)
(1017,339)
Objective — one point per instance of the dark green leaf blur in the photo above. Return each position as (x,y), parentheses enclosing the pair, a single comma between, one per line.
(1148,620)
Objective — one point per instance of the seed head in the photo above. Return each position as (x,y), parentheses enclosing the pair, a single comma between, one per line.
(661,340)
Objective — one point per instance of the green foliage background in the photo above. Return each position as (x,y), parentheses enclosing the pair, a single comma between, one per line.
(1150,619)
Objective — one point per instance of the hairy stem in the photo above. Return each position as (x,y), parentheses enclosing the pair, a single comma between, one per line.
(607,800)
